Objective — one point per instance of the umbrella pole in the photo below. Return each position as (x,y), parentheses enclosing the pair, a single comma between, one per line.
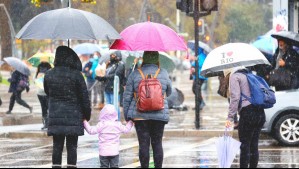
(197,86)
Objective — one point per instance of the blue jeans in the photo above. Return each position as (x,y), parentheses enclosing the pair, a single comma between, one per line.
(110,100)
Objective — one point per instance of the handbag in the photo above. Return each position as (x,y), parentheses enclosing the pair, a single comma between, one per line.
(280,78)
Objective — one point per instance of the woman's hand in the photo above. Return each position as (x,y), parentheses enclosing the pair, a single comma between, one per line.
(228,124)
(282,63)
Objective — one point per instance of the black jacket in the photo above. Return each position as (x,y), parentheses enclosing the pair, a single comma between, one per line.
(113,69)
(291,59)
(14,81)
(68,96)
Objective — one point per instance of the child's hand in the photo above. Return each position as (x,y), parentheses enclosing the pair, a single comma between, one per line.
(131,122)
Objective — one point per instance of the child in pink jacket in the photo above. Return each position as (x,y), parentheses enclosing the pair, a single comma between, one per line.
(109,130)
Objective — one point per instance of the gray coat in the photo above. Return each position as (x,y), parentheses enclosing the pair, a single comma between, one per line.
(134,79)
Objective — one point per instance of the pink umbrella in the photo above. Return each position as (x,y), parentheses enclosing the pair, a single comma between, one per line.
(149,36)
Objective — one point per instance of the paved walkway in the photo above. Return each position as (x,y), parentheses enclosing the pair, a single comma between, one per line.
(183,146)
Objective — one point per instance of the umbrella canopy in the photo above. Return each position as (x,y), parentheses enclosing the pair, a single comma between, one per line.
(176,98)
(204,46)
(149,36)
(232,55)
(227,149)
(166,62)
(18,65)
(265,44)
(290,37)
(87,48)
(36,59)
(68,23)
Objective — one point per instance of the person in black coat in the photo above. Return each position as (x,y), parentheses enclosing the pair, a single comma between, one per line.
(17,91)
(42,68)
(114,68)
(286,58)
(69,104)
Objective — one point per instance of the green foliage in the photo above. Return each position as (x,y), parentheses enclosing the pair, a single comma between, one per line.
(245,22)
(241,21)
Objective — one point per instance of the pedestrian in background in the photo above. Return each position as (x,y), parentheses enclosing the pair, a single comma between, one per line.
(285,64)
(114,68)
(198,87)
(18,84)
(252,118)
(90,73)
(69,105)
(149,125)
(101,71)
(109,130)
(42,68)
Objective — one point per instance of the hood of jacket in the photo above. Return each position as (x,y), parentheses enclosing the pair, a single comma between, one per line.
(66,57)
(108,113)
(118,55)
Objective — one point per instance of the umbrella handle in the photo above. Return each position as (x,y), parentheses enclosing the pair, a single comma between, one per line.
(227,132)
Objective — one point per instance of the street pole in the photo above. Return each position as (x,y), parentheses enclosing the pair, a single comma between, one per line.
(197,86)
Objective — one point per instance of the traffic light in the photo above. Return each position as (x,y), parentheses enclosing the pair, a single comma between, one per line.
(201,26)
(207,38)
(208,5)
(185,6)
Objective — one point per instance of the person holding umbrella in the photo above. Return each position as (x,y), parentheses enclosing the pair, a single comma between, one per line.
(19,82)
(69,105)
(233,58)
(42,68)
(149,125)
(114,68)
(285,64)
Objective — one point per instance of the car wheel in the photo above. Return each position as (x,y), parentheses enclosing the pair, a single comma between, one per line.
(287,130)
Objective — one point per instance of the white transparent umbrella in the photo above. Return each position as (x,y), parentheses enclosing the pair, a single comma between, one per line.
(227,149)
(232,55)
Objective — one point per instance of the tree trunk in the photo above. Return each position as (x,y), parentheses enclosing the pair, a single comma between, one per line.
(6,39)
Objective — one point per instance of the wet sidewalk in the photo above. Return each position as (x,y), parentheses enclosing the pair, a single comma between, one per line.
(25,146)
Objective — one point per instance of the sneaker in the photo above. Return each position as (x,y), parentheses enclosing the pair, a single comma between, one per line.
(31,110)
(202,105)
(44,129)
(8,112)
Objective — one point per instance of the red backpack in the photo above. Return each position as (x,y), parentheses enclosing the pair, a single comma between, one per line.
(150,96)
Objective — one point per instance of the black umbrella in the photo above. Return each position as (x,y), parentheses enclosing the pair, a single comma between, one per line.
(291,38)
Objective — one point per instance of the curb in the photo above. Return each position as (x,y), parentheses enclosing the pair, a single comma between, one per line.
(168,133)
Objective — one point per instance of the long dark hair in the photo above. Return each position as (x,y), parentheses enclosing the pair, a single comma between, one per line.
(43,68)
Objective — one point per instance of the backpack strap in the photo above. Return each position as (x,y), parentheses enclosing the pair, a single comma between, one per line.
(141,73)
(157,73)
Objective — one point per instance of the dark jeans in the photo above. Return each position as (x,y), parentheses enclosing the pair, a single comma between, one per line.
(251,123)
(17,97)
(101,92)
(44,104)
(109,162)
(150,132)
(92,90)
(71,146)
(194,89)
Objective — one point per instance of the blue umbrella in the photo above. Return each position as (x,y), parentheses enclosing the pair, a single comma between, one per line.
(204,46)
(265,44)
(87,48)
